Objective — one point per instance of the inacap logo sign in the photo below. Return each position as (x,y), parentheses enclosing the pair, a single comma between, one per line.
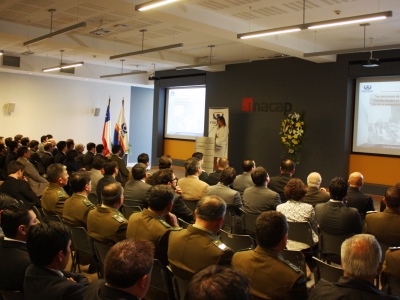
(249,105)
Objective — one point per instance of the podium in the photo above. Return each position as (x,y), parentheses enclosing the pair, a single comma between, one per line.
(205,145)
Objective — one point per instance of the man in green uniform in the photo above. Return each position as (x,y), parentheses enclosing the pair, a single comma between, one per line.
(54,196)
(106,223)
(77,207)
(155,223)
(271,277)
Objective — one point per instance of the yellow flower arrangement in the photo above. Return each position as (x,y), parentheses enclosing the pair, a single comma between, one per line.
(292,133)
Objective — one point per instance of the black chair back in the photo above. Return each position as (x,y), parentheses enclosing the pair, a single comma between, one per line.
(236,241)
(300,232)
(180,287)
(249,223)
(326,271)
(11,295)
(128,210)
(192,205)
(330,246)
(297,258)
(183,223)
(101,250)
(161,283)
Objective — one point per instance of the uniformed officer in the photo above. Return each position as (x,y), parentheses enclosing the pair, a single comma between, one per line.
(77,207)
(271,277)
(54,196)
(106,223)
(198,246)
(155,223)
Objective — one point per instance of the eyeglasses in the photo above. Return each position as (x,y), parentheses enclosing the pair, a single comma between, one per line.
(175,179)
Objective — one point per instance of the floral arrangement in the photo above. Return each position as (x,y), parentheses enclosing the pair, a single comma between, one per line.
(292,134)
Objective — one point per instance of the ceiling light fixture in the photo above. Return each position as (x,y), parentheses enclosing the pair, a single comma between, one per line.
(152,4)
(1,52)
(63,66)
(260,33)
(58,32)
(147,50)
(122,72)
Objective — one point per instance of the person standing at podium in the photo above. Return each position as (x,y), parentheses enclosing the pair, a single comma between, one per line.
(221,140)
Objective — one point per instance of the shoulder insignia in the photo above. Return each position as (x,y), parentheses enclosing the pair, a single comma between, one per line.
(244,249)
(60,194)
(292,266)
(220,245)
(371,212)
(164,223)
(86,202)
(394,249)
(118,218)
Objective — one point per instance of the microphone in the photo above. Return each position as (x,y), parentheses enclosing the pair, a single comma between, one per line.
(212,129)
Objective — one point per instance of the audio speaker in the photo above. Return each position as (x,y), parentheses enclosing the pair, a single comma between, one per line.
(96,112)
(10,107)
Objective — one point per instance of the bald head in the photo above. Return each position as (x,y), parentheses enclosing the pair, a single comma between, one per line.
(356,179)
(223,163)
(314,179)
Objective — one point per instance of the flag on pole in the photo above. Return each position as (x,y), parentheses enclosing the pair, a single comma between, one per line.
(106,138)
(121,132)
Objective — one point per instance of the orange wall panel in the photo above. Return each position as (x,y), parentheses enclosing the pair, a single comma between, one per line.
(179,149)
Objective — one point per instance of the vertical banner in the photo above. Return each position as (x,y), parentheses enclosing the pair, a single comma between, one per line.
(213,114)
(106,137)
(121,132)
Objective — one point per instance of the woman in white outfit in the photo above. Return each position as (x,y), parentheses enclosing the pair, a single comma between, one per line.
(221,140)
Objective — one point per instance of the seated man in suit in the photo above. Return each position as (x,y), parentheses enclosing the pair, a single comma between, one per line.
(137,190)
(61,154)
(361,255)
(143,158)
(16,186)
(49,248)
(47,156)
(271,277)
(3,167)
(155,223)
(243,181)
(192,188)
(106,223)
(356,198)
(54,196)
(198,246)
(278,183)
(123,172)
(77,207)
(96,173)
(260,198)
(203,176)
(79,158)
(315,194)
(130,282)
(88,157)
(213,178)
(385,225)
(110,172)
(334,217)
(14,258)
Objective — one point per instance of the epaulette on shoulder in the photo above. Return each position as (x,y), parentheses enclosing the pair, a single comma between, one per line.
(244,249)
(220,245)
(86,202)
(371,212)
(118,218)
(292,266)
(394,249)
(164,223)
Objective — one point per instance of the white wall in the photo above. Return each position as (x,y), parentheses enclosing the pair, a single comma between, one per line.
(60,106)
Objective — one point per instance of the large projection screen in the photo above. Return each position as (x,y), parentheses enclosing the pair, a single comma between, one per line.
(377,116)
(185,112)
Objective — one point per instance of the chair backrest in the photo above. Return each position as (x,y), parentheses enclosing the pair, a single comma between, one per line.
(55,218)
(11,295)
(128,210)
(191,204)
(38,213)
(326,271)
(384,248)
(93,198)
(180,287)
(161,283)
(183,223)
(249,222)
(101,251)
(228,221)
(82,240)
(300,232)
(390,284)
(236,241)
(297,258)
(330,245)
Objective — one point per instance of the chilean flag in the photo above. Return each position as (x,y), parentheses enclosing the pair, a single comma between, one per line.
(106,139)
(121,132)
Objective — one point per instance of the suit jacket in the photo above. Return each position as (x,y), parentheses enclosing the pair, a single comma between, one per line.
(231,197)
(11,156)
(107,179)
(53,200)
(278,183)
(137,192)
(384,226)
(193,249)
(47,159)
(192,187)
(213,178)
(59,158)
(359,200)
(180,210)
(76,210)
(337,219)
(95,176)
(315,196)
(88,160)
(42,283)
(3,167)
(242,182)
(37,182)
(271,277)
(391,263)
(79,160)
(20,190)
(123,172)
(257,199)
(14,259)
(98,290)
(106,224)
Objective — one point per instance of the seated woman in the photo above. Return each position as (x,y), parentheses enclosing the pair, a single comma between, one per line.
(296,211)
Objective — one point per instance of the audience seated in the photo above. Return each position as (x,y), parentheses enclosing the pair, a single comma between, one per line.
(106,223)
(334,217)
(110,172)
(123,172)
(79,149)
(36,157)
(198,246)
(193,189)
(97,171)
(356,198)
(54,196)
(47,156)
(315,194)
(203,176)
(77,207)
(16,186)
(3,167)
(218,283)
(271,277)
(278,183)
(390,266)
(137,190)
(260,198)
(88,157)
(361,255)
(144,159)
(62,148)
(213,178)
(127,270)
(12,152)
(49,248)
(165,162)
(243,181)
(16,221)
(155,223)
(385,225)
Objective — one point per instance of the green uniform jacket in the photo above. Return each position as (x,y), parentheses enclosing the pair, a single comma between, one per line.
(53,199)
(76,210)
(271,277)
